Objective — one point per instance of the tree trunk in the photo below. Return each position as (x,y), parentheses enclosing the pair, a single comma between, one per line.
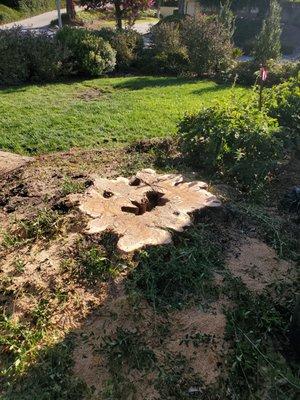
(118,14)
(181,7)
(70,10)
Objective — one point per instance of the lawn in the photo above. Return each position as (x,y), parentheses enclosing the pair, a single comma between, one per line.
(36,119)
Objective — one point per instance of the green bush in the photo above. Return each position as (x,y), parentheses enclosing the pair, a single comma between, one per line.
(29,57)
(283,103)
(8,14)
(196,45)
(247,72)
(208,44)
(127,43)
(167,54)
(13,10)
(89,55)
(238,142)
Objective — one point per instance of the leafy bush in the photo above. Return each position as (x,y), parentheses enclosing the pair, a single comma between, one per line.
(167,53)
(13,10)
(8,14)
(237,141)
(27,57)
(283,103)
(199,45)
(247,72)
(127,43)
(89,54)
(31,6)
(208,44)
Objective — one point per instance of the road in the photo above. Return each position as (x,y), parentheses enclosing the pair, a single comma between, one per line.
(42,21)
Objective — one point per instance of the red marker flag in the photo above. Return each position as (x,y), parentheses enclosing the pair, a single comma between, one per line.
(263,74)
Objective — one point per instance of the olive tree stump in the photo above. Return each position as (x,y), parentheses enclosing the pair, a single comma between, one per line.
(145,209)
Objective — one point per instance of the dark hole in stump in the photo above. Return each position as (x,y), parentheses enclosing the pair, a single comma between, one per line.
(153,199)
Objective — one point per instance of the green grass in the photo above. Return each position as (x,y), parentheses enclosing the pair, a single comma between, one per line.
(42,118)
(175,275)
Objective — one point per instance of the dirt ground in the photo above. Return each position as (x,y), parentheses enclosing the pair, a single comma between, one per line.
(32,272)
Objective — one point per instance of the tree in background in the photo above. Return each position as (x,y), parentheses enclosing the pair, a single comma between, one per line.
(128,10)
(227,17)
(268,44)
(70,10)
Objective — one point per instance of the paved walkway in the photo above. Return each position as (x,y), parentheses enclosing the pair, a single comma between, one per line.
(42,21)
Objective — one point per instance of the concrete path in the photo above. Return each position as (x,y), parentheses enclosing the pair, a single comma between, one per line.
(42,21)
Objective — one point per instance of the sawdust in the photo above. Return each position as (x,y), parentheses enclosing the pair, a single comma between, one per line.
(257,265)
(205,358)
(90,363)
(10,162)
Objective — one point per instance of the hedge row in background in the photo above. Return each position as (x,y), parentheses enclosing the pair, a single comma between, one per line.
(174,49)
(31,57)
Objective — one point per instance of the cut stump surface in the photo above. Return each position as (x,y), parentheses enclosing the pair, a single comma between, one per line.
(144,209)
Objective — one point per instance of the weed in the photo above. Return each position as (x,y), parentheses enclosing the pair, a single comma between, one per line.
(258,328)
(45,225)
(175,378)
(50,378)
(93,261)
(197,339)
(61,295)
(10,239)
(19,265)
(124,350)
(170,276)
(18,344)
(127,347)
(70,186)
(273,229)
(40,314)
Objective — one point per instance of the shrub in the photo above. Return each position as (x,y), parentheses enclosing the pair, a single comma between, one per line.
(8,14)
(239,142)
(208,44)
(170,63)
(167,54)
(247,72)
(27,56)
(200,45)
(267,45)
(31,6)
(166,37)
(127,43)
(89,54)
(283,103)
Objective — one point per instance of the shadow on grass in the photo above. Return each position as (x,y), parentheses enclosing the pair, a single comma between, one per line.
(22,87)
(143,82)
